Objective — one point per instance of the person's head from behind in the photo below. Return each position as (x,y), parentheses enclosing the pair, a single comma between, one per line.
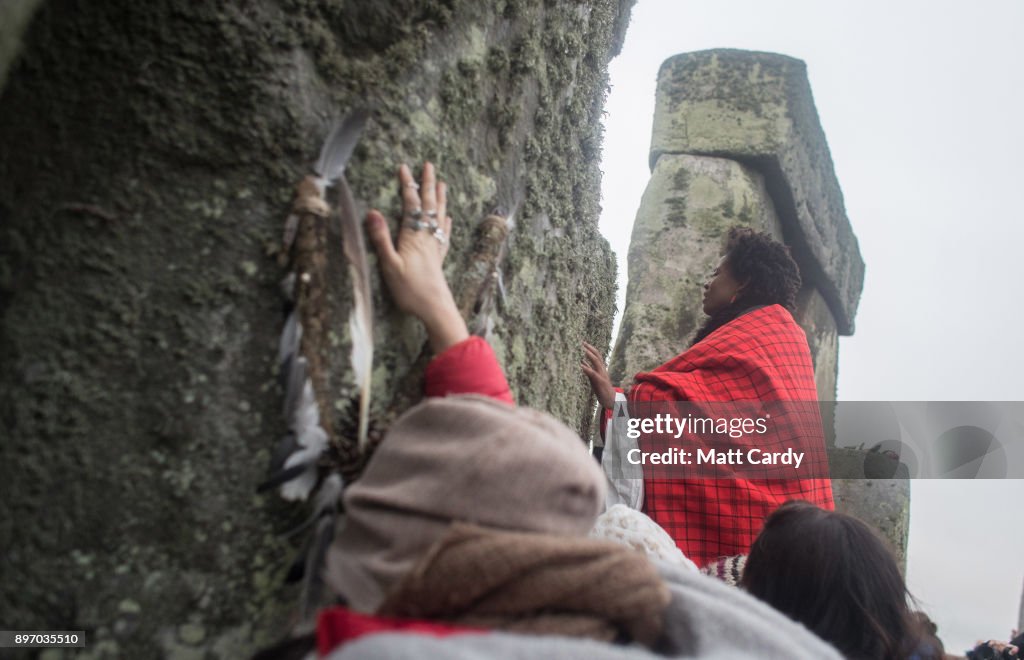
(459,459)
(755,270)
(834,574)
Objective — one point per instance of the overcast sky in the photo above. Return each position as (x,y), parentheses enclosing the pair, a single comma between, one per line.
(921,102)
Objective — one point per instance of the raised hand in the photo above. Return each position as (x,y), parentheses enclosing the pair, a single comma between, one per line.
(594,369)
(412,266)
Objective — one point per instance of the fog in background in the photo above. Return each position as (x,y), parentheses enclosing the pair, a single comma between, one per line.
(921,103)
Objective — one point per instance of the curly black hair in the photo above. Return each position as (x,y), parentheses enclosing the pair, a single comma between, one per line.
(767,271)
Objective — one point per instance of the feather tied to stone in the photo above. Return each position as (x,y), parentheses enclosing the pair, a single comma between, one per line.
(302,373)
(302,354)
(361,318)
(309,564)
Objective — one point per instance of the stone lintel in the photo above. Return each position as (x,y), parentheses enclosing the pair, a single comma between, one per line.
(757,108)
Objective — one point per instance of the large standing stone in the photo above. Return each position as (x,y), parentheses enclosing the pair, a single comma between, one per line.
(884,503)
(757,108)
(677,237)
(149,153)
(737,140)
(813,315)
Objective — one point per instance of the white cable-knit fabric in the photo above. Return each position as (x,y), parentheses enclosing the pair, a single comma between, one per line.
(636,530)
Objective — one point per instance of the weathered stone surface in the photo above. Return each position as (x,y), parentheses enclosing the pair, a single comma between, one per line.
(677,239)
(149,154)
(686,210)
(882,503)
(813,315)
(757,108)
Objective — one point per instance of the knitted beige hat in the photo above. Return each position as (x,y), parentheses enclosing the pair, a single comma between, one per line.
(464,458)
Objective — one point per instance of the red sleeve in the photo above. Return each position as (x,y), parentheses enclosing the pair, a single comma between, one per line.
(469,367)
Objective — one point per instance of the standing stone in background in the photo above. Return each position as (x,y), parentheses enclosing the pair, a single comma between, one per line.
(1020,616)
(737,140)
(149,155)
(685,211)
(757,108)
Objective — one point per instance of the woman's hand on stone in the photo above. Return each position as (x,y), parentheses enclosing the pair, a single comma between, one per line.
(594,369)
(412,266)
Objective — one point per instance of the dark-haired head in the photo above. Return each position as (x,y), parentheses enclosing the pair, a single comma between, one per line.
(755,270)
(834,574)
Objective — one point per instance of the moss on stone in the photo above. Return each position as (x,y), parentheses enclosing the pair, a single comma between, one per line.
(139,288)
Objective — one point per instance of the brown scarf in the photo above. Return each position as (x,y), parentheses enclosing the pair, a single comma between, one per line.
(534,583)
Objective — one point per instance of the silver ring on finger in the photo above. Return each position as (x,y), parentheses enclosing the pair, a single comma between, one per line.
(431,214)
(440,236)
(413,185)
(416,225)
(415,214)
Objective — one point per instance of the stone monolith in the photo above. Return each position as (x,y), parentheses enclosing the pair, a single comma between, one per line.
(737,140)
(149,155)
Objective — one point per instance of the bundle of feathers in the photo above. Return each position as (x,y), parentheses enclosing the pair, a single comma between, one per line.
(298,465)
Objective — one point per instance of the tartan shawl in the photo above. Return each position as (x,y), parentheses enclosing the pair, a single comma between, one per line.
(759,356)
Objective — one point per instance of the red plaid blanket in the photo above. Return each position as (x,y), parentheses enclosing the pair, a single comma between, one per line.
(760,356)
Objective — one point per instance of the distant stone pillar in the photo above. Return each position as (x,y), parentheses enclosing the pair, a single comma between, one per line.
(737,140)
(1020,616)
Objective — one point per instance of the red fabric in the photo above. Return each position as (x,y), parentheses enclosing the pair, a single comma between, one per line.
(760,356)
(338,625)
(469,367)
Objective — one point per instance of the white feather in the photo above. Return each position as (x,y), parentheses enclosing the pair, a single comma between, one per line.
(313,441)
(291,337)
(361,316)
(307,415)
(291,227)
(288,287)
(329,494)
(339,145)
(299,488)
(362,366)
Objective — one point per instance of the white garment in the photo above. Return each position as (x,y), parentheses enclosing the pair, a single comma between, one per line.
(625,481)
(636,530)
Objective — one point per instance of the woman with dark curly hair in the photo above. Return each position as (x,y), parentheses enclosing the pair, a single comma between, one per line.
(751,350)
(756,271)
